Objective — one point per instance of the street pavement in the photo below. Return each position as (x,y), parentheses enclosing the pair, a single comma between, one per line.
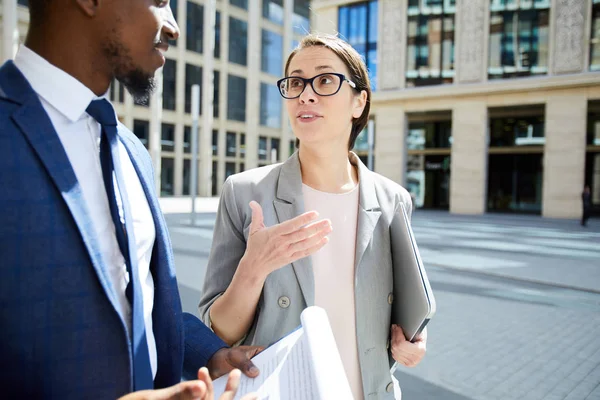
(518,302)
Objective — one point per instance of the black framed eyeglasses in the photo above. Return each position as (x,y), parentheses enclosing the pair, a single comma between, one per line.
(326,84)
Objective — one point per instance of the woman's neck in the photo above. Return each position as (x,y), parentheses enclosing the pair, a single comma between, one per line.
(327,170)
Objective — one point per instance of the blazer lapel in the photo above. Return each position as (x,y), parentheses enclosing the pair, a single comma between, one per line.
(41,135)
(369,210)
(289,203)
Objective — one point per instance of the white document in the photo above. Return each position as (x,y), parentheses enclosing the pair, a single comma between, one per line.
(304,365)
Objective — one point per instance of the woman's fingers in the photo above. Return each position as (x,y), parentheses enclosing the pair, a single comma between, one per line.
(305,232)
(294,224)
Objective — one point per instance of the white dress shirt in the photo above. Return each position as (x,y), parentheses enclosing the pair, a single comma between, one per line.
(65,99)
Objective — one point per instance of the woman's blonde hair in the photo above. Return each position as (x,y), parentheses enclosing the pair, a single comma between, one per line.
(356,67)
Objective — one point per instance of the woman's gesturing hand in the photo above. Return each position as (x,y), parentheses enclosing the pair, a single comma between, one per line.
(270,248)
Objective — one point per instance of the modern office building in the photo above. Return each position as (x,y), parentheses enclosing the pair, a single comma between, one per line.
(248,128)
(481,105)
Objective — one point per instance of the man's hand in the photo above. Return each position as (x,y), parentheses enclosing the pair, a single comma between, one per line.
(407,353)
(226,359)
(202,389)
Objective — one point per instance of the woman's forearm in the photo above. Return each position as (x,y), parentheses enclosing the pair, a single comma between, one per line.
(231,315)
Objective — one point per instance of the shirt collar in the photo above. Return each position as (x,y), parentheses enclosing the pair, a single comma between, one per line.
(65,93)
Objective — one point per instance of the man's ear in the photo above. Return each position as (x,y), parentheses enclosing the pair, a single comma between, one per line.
(360,102)
(89,7)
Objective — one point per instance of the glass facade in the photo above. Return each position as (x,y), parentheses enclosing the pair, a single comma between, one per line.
(357,24)
(187,165)
(230,144)
(236,98)
(193,76)
(595,37)
(187,139)
(194,27)
(592,156)
(428,163)
(519,38)
(167,137)
(141,129)
(238,41)
(272,53)
(273,11)
(270,106)
(301,17)
(239,3)
(430,43)
(167,175)
(262,148)
(169,94)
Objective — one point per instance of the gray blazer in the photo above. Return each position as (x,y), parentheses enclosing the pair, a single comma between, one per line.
(287,291)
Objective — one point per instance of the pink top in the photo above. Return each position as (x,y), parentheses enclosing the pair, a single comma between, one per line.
(333,268)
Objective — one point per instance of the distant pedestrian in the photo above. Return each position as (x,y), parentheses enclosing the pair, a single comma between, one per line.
(586,199)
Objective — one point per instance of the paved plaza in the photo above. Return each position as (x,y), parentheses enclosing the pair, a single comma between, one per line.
(518,298)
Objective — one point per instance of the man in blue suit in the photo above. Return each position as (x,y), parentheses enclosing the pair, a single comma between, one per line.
(89,306)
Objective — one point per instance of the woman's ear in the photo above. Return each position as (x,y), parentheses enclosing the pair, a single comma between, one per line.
(360,102)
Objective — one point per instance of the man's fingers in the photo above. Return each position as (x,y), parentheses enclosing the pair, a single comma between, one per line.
(294,224)
(233,382)
(204,376)
(240,359)
(257,217)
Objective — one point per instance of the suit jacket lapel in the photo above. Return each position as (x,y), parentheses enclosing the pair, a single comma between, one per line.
(289,203)
(41,135)
(369,210)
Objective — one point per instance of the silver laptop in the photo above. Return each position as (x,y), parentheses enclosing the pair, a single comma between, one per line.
(413,304)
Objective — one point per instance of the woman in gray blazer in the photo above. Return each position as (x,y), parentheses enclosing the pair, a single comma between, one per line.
(259,276)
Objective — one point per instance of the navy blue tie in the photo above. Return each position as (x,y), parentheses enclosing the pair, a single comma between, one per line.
(103,112)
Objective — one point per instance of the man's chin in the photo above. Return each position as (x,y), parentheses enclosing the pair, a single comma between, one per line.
(139,84)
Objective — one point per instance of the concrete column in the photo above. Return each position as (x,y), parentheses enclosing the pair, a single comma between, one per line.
(10,31)
(468,166)
(205,173)
(472,40)
(564,155)
(568,39)
(390,142)
(155,128)
(392,44)
(253,84)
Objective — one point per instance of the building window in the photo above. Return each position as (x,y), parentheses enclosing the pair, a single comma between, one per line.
(216,89)
(519,40)
(141,129)
(229,169)
(167,137)
(428,164)
(187,165)
(272,53)
(292,147)
(169,84)
(274,150)
(195,22)
(243,145)
(361,145)
(592,155)
(273,11)
(358,26)
(187,139)
(238,41)
(214,178)
(215,142)
(515,160)
(117,89)
(173,6)
(236,98)
(193,76)
(242,167)
(217,52)
(430,43)
(230,146)
(166,176)
(301,17)
(595,39)
(270,106)
(24,3)
(239,3)
(262,148)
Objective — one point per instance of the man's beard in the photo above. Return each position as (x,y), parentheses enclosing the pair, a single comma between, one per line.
(138,83)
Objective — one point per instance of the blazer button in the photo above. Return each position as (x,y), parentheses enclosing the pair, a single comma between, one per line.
(389,387)
(284,302)
(390,298)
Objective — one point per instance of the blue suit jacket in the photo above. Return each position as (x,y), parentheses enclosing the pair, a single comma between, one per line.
(60,333)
